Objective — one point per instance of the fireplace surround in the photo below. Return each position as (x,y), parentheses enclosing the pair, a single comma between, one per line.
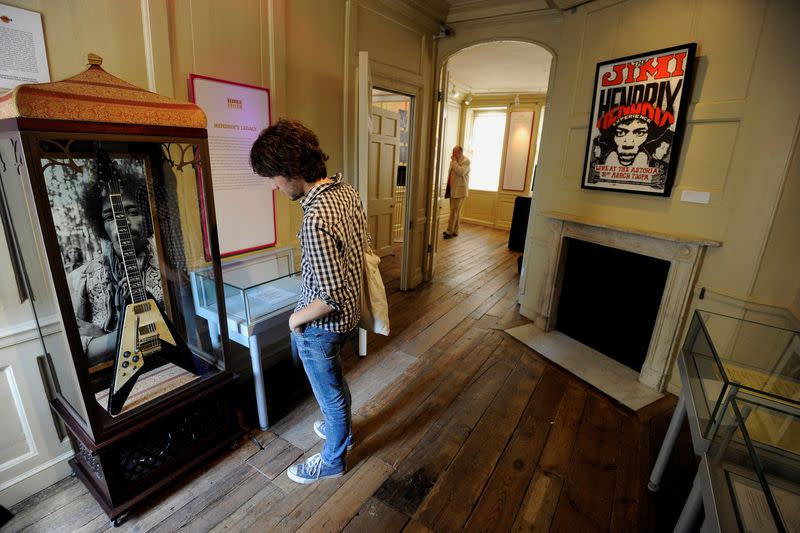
(684,254)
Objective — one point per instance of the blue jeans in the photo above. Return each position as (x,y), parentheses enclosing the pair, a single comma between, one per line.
(320,351)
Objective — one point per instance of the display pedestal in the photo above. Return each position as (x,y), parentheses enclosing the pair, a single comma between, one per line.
(125,469)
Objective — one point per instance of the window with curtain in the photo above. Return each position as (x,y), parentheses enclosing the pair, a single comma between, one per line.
(485,148)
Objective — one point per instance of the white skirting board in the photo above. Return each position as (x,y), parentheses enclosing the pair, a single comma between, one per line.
(600,371)
(31,482)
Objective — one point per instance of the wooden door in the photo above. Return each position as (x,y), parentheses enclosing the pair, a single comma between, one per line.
(384,158)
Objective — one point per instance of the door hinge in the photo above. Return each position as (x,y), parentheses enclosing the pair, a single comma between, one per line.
(440,96)
(430,248)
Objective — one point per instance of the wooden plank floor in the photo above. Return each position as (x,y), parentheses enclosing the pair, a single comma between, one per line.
(458,427)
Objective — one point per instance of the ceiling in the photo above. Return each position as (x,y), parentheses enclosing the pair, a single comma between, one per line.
(501,67)
(461,10)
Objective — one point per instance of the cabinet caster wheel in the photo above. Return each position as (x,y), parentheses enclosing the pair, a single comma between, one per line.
(120,519)
(73,474)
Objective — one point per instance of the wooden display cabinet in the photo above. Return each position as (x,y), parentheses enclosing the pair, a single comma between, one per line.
(108,209)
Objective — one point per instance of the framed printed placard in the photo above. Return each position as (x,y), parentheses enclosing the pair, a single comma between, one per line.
(637,121)
(244,202)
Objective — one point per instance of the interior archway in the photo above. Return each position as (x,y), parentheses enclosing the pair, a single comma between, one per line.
(494,98)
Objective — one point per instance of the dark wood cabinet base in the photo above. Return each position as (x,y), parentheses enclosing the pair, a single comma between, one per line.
(125,470)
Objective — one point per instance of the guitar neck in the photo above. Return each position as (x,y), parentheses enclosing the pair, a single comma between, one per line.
(132,272)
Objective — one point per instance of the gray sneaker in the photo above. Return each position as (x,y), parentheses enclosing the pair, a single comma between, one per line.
(319,429)
(312,470)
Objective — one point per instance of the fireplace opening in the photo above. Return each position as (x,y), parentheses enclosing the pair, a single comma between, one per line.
(610,299)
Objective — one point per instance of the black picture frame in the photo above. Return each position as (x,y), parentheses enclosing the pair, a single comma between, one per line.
(639,106)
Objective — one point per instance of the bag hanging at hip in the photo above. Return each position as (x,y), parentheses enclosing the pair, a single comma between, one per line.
(374,306)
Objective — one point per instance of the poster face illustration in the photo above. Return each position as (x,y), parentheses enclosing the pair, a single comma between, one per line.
(637,121)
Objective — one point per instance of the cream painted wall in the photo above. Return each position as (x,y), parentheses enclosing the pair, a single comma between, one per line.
(401,52)
(739,136)
(778,280)
(241,41)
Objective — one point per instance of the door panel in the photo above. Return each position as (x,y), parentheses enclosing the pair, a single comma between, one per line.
(384,158)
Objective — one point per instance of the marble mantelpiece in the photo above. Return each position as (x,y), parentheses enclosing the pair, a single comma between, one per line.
(683,252)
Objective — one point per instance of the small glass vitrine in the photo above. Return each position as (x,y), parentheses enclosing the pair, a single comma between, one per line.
(725,356)
(260,293)
(753,467)
(256,288)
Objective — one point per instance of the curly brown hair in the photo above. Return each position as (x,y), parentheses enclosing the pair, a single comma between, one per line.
(288,149)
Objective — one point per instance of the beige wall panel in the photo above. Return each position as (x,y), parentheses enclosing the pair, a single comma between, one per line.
(504,210)
(728,75)
(113,30)
(479,207)
(778,279)
(388,41)
(226,39)
(669,23)
(574,154)
(598,42)
(181,47)
(762,154)
(706,160)
(742,150)
(315,70)
(14,437)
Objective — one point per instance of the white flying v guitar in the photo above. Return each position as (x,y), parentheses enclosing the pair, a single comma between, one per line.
(144,332)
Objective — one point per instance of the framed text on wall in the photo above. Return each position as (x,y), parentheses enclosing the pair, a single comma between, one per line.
(245,203)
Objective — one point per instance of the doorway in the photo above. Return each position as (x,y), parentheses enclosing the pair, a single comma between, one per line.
(389,171)
(495,98)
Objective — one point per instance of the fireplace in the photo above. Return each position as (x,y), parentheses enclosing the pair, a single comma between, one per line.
(610,298)
(582,267)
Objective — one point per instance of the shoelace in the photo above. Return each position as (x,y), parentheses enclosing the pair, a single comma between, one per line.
(313,465)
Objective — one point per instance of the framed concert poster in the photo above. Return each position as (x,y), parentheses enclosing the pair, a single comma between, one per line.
(638,116)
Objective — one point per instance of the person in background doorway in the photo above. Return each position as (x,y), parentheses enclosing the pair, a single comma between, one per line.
(458,182)
(332,235)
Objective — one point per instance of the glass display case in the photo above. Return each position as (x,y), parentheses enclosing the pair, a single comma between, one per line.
(260,293)
(108,208)
(752,469)
(725,356)
(255,288)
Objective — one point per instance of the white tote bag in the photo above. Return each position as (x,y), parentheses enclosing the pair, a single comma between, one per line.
(374,307)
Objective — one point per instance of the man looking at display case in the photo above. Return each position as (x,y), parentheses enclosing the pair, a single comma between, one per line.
(332,238)
(458,185)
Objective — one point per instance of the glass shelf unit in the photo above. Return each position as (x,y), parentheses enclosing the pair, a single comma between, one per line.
(753,467)
(728,357)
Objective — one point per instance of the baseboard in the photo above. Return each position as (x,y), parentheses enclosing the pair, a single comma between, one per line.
(15,490)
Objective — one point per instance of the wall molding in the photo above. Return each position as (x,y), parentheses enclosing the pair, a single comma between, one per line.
(718,301)
(27,331)
(66,456)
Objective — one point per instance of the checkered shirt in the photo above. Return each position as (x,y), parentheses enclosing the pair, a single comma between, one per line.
(332,238)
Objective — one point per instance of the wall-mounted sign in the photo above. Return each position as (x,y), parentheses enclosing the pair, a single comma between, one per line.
(637,121)
(23,58)
(244,202)
(518,147)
